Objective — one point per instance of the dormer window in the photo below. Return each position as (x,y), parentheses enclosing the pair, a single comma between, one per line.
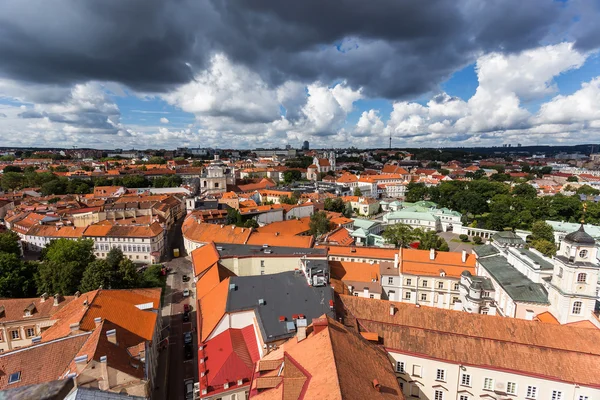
(583,253)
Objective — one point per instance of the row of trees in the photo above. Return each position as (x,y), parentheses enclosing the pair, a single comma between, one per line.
(497,206)
(51,184)
(67,266)
(402,235)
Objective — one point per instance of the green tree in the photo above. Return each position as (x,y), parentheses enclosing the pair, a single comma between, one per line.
(12,168)
(97,274)
(540,230)
(156,160)
(572,179)
(336,204)
(11,181)
(401,235)
(9,243)
(587,190)
(152,276)
(357,191)
(545,247)
(251,223)
(430,240)
(233,217)
(524,190)
(114,258)
(16,276)
(127,276)
(63,264)
(291,175)
(416,192)
(288,200)
(319,223)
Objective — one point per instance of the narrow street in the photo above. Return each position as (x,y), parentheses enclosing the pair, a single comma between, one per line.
(173,368)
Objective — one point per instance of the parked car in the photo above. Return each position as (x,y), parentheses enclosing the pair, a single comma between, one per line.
(186,292)
(187,308)
(187,338)
(185,278)
(188,352)
(186,317)
(189,389)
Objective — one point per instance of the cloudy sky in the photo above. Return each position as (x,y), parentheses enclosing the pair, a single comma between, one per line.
(244,74)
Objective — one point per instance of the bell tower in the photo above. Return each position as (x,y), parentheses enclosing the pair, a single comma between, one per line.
(572,289)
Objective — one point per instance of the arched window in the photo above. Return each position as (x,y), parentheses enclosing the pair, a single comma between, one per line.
(577,308)
(583,253)
(582,277)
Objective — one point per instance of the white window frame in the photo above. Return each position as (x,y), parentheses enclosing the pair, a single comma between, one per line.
(577,305)
(400,367)
(488,383)
(440,375)
(438,395)
(557,395)
(514,386)
(531,392)
(582,277)
(465,380)
(463,397)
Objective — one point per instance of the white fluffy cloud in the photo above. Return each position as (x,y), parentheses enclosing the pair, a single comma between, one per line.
(164,120)
(496,108)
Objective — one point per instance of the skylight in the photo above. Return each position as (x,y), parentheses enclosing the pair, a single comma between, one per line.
(14,377)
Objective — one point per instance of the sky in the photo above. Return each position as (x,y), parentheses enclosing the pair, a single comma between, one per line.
(257,73)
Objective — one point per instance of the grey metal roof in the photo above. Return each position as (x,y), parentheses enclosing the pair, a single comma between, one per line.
(96,394)
(243,250)
(540,261)
(518,286)
(485,250)
(284,294)
(508,237)
(580,236)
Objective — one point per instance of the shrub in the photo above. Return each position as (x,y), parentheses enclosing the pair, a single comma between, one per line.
(477,239)
(463,237)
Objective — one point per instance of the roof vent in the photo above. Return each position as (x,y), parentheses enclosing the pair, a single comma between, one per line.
(220,248)
(36,339)
(261,302)
(281,318)
(232,286)
(376,385)
(265,246)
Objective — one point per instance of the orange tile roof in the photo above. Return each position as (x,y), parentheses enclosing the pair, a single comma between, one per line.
(361,252)
(123,228)
(14,309)
(44,362)
(354,271)
(586,324)
(347,178)
(290,227)
(555,352)
(211,308)
(547,317)
(340,236)
(204,257)
(332,363)
(417,262)
(54,231)
(205,233)
(259,209)
(274,239)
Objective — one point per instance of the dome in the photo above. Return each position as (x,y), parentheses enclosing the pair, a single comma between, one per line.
(580,236)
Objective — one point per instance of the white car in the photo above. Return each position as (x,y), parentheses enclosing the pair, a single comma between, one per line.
(186,292)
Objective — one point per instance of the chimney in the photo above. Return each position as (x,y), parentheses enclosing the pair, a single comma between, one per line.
(112,336)
(392,309)
(74,327)
(56,299)
(104,383)
(97,321)
(366,292)
(44,297)
(432,254)
(396,260)
(464,256)
(319,324)
(81,362)
(376,385)
(77,294)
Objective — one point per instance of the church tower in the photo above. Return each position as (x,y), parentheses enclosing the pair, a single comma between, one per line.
(572,289)
(332,160)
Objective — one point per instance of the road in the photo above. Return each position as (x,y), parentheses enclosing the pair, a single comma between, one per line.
(174,369)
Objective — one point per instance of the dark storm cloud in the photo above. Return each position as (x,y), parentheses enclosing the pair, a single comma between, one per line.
(395,49)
